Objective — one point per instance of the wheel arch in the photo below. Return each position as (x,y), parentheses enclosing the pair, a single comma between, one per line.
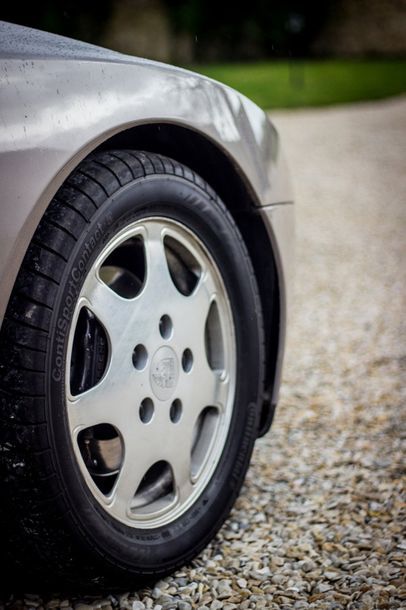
(204,157)
(207,158)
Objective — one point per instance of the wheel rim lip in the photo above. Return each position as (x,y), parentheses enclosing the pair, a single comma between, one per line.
(193,243)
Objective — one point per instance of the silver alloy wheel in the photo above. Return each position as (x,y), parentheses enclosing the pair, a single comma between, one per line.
(149,429)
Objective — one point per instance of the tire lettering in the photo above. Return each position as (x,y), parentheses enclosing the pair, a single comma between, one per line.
(71,294)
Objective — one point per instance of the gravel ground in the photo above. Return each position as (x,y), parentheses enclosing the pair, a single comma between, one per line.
(319,521)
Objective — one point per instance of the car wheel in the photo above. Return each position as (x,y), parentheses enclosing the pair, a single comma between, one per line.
(132,361)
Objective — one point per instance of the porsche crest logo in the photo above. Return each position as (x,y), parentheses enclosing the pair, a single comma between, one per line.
(164,374)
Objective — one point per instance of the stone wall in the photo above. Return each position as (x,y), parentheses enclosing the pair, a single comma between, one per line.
(354,28)
(364,28)
(142,28)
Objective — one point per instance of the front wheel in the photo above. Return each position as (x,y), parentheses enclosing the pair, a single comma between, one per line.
(132,353)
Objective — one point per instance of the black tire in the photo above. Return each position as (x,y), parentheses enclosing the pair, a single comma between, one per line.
(57,531)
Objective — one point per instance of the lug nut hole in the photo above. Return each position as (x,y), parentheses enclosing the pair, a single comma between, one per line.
(175,412)
(146,410)
(187,360)
(140,357)
(165,327)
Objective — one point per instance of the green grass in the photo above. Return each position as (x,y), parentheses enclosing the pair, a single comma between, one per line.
(286,84)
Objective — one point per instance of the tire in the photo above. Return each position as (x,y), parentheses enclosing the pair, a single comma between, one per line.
(132,362)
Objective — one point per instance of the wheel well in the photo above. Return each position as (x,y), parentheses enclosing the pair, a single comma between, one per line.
(204,157)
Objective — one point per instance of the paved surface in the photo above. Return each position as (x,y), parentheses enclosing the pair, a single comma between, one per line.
(319,522)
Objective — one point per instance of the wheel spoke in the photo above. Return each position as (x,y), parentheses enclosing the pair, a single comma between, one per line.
(114,312)
(201,299)
(159,284)
(191,317)
(202,388)
(221,390)
(180,462)
(114,400)
(137,461)
(95,406)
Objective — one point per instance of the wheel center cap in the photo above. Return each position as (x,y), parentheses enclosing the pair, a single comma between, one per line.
(164,372)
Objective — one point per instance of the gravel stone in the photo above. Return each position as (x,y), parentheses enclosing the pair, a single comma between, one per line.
(156,592)
(307,565)
(320,522)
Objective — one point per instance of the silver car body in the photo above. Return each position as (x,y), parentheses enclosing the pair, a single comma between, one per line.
(60,99)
